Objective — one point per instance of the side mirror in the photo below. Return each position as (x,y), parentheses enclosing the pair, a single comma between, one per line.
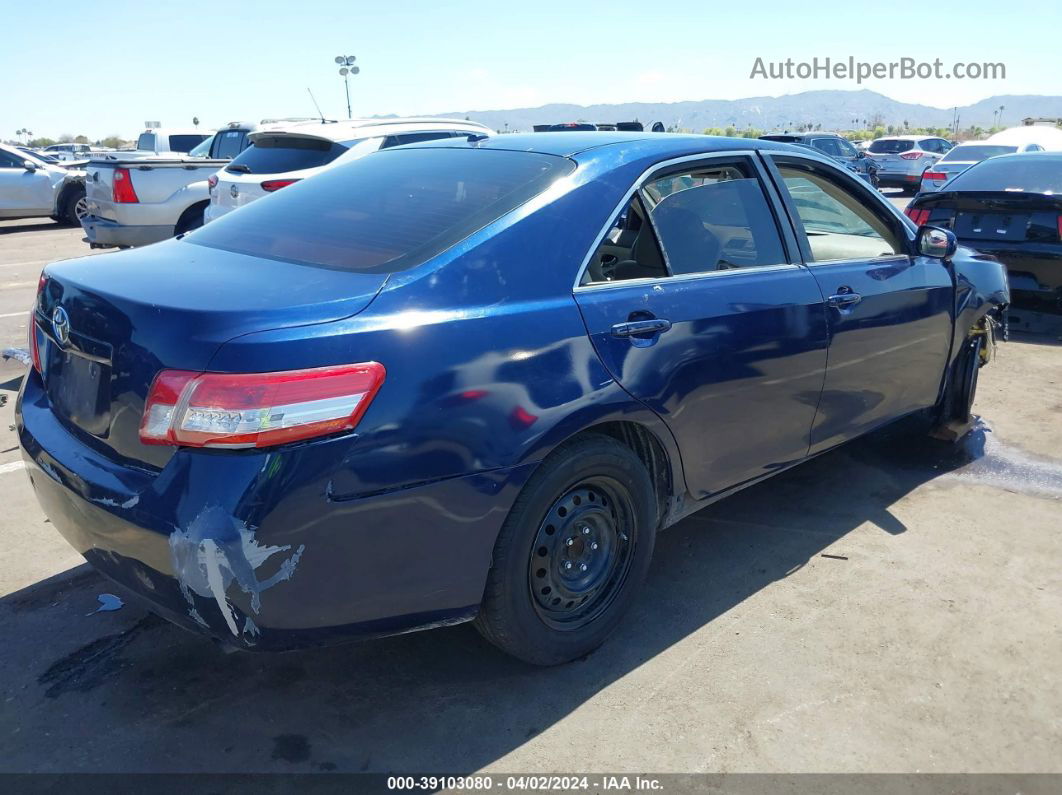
(860,154)
(937,243)
(29,165)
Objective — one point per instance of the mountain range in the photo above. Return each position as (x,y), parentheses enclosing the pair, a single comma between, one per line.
(834,110)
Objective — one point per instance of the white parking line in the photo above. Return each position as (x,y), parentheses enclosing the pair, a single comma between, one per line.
(14,466)
(15,314)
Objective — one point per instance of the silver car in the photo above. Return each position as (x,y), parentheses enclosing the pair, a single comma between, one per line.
(901,159)
(961,158)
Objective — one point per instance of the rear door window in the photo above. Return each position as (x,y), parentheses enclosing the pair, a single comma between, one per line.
(827,145)
(714,218)
(388,212)
(280,154)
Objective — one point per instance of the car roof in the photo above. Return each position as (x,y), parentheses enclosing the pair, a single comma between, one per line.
(360,128)
(620,145)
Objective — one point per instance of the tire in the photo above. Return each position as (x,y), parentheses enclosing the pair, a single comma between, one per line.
(572,553)
(963,389)
(190,219)
(74,206)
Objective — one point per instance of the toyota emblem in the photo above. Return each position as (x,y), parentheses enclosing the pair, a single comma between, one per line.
(61,325)
(234,191)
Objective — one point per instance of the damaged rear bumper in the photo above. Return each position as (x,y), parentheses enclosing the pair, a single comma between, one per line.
(252,550)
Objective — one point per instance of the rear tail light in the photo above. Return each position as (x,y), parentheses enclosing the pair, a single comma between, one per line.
(911,155)
(212,181)
(937,175)
(920,217)
(1060,227)
(257,409)
(122,190)
(271,185)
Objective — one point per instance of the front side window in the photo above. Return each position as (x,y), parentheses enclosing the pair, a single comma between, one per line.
(838,225)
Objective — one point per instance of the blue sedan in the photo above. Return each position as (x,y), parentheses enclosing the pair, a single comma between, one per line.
(472,379)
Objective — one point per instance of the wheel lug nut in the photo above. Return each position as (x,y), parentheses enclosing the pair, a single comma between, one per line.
(593,545)
(586,531)
(569,542)
(582,567)
(568,565)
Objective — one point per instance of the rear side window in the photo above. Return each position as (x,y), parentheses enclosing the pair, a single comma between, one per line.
(714,219)
(388,212)
(146,142)
(828,145)
(1018,174)
(185,143)
(975,154)
(279,154)
(890,146)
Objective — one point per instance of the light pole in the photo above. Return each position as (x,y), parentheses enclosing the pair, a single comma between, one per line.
(347,68)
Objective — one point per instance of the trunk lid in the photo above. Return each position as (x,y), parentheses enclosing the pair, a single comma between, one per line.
(998,216)
(127,315)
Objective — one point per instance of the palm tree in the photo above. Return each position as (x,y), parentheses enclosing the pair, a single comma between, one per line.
(1001,109)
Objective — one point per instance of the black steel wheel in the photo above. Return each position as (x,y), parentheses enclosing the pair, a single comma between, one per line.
(582,553)
(571,554)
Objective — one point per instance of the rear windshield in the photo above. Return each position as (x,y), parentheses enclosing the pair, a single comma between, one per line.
(386,212)
(890,147)
(975,154)
(280,154)
(185,143)
(1018,174)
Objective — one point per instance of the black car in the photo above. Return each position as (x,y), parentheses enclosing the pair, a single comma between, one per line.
(835,146)
(1009,206)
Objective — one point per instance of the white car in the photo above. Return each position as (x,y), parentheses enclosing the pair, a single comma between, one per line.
(964,155)
(32,188)
(289,153)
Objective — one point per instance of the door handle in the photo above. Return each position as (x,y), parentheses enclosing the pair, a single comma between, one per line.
(641,328)
(844,299)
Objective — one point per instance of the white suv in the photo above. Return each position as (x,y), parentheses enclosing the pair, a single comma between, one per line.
(287,154)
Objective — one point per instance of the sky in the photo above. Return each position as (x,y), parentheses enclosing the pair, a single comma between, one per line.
(102,67)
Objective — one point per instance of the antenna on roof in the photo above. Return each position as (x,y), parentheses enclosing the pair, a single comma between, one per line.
(316,105)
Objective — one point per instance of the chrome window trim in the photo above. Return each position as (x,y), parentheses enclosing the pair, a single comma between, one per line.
(637,186)
(651,281)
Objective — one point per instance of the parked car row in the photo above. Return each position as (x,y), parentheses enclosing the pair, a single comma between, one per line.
(140,200)
(470,378)
(32,187)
